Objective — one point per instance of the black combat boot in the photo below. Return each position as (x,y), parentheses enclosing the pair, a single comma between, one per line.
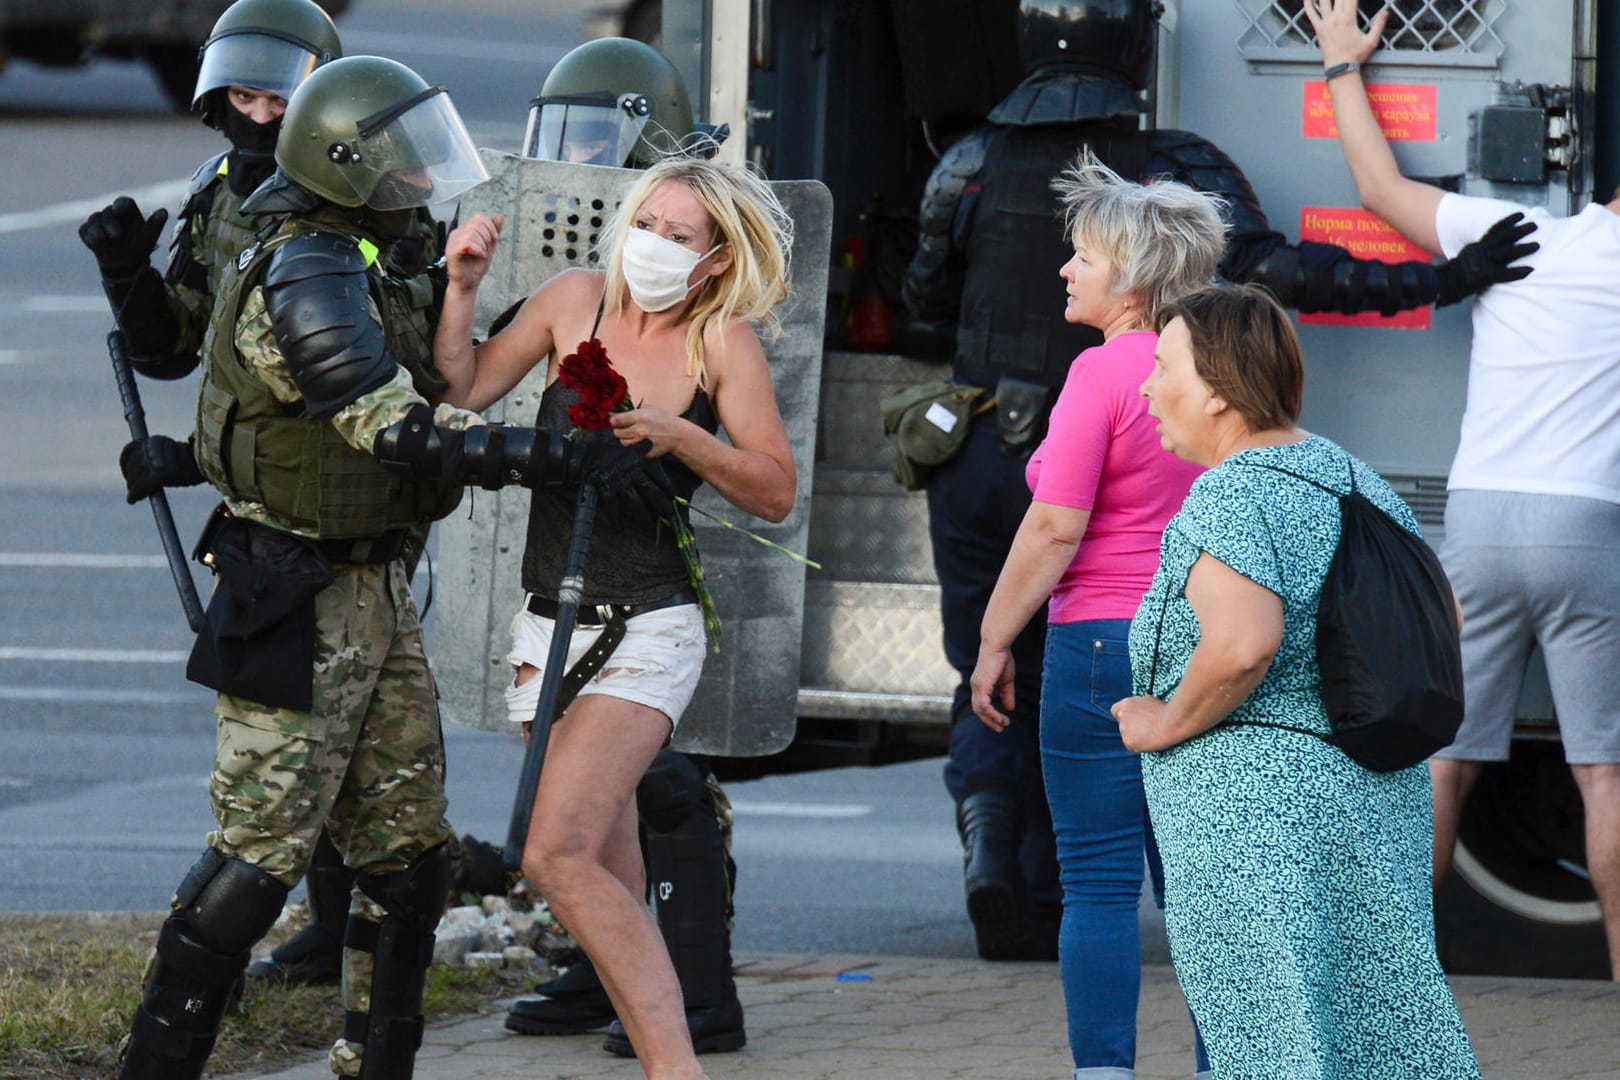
(314,955)
(690,878)
(989,822)
(571,1004)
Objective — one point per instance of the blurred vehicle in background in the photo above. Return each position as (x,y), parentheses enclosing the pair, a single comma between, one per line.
(639,19)
(165,34)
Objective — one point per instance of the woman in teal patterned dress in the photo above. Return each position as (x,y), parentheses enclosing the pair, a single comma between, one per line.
(1297,883)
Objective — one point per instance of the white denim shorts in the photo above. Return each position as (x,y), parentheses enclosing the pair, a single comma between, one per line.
(657,664)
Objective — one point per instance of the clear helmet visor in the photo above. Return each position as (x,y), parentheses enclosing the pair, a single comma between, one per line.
(257,60)
(585,131)
(413,155)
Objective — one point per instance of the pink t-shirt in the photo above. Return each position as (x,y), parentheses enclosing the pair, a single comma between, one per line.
(1101,453)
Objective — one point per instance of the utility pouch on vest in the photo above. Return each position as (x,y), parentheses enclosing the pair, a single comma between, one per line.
(1020,415)
(259,641)
(928,424)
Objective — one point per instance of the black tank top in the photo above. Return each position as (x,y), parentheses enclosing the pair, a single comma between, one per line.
(624,565)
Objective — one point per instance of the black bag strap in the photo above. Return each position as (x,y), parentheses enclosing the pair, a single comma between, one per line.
(1158,637)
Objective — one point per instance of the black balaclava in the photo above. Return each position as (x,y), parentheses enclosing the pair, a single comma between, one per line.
(387,226)
(253,148)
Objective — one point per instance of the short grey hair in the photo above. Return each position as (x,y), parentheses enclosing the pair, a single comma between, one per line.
(1164,238)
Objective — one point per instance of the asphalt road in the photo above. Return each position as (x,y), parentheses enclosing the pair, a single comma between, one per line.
(104,747)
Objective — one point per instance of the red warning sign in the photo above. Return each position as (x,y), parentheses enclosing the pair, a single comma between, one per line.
(1366,236)
(1406,111)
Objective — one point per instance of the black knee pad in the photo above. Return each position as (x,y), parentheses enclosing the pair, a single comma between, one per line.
(416,895)
(402,949)
(225,905)
(672,790)
(229,904)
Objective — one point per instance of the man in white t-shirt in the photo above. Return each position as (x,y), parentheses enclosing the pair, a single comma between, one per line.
(1533,512)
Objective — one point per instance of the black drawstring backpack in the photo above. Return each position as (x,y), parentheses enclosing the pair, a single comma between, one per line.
(1387,640)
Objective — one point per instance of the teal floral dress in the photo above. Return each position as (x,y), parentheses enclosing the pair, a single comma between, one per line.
(1297,883)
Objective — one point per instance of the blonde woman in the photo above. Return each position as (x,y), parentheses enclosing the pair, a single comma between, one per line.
(1100,476)
(694,258)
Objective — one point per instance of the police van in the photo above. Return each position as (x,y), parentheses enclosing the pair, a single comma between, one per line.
(1505,98)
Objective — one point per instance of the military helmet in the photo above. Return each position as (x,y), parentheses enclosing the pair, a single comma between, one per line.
(368,131)
(611,101)
(1108,36)
(269,45)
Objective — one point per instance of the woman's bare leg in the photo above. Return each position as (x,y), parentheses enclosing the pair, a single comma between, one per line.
(582,845)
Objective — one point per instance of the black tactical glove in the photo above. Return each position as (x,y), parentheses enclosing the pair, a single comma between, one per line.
(122,238)
(157,462)
(630,485)
(1487,261)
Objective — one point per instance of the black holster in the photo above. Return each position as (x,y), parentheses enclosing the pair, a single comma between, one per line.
(259,639)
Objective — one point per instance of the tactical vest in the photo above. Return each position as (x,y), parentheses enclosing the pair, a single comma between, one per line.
(1011,321)
(226,230)
(254,448)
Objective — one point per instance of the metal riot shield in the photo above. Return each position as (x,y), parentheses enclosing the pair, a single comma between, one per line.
(746,703)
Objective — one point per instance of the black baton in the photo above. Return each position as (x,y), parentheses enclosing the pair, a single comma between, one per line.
(135,417)
(534,755)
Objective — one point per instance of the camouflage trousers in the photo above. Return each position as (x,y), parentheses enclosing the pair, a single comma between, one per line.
(367,761)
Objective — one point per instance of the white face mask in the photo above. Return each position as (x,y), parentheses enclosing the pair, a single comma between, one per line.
(656,269)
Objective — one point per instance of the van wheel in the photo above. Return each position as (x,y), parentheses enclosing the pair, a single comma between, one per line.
(176,69)
(1518,901)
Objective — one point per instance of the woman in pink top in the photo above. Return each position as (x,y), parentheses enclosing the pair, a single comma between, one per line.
(1103,491)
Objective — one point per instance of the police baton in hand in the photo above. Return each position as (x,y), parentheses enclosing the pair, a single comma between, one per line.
(568,597)
(135,417)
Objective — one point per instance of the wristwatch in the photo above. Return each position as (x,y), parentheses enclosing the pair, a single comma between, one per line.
(1329,74)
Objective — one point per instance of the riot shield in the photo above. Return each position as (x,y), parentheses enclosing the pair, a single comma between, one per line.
(744,705)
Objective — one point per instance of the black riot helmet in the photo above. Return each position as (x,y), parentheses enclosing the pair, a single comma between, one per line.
(1100,36)
(269,45)
(611,101)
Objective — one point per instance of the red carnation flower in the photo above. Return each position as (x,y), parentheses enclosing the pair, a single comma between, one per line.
(602,390)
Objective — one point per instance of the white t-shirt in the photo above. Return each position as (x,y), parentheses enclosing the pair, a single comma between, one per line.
(1543,411)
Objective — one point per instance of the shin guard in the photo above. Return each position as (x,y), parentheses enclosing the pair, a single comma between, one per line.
(402,949)
(223,907)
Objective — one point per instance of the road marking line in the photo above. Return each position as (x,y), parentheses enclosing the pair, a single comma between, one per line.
(66,304)
(150,197)
(62,559)
(94,656)
(10,356)
(78,695)
(801,810)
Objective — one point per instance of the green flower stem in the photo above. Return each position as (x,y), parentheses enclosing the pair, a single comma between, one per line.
(686,543)
(718,520)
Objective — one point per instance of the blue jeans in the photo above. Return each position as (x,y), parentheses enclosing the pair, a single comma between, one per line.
(1100,816)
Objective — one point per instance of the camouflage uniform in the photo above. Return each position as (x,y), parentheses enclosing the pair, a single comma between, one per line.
(367,760)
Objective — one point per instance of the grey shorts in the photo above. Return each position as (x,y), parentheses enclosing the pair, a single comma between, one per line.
(1537,570)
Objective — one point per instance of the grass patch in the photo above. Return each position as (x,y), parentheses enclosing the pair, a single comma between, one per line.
(69,984)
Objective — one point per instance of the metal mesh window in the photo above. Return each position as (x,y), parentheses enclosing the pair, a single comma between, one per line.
(1457,33)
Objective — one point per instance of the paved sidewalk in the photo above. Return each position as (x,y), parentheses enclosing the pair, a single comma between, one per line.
(899,1018)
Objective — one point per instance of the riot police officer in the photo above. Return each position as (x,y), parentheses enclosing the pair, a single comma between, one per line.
(619,102)
(258,53)
(327,456)
(989,247)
